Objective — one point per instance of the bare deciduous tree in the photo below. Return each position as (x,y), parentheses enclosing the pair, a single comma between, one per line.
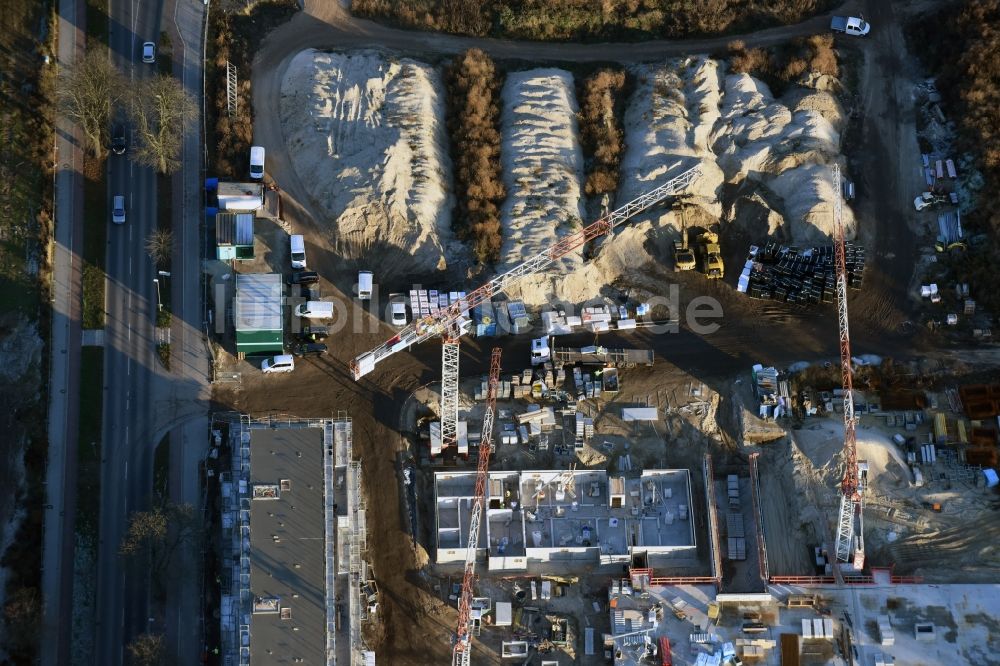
(87,93)
(147,650)
(159,245)
(159,532)
(473,120)
(161,110)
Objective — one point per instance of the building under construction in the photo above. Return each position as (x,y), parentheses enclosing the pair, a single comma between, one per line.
(293,542)
(535,517)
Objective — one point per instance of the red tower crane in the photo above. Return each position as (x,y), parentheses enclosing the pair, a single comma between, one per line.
(850,539)
(462,653)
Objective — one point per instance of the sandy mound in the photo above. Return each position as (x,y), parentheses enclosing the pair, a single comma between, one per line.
(785,146)
(808,192)
(542,164)
(668,127)
(366,135)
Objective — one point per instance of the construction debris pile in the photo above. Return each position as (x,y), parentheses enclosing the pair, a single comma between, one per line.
(806,277)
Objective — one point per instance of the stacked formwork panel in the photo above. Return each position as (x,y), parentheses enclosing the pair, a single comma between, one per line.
(801,276)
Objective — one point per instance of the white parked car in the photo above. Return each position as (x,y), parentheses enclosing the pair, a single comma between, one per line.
(297,246)
(257,162)
(397,310)
(149,52)
(118,209)
(280,363)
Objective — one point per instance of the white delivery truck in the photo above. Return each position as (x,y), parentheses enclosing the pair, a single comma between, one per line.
(315,310)
(365,285)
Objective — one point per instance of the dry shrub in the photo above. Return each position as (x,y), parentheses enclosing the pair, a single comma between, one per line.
(823,58)
(793,69)
(601,132)
(756,62)
(473,123)
(588,19)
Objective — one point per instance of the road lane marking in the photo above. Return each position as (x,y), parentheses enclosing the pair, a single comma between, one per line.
(130,265)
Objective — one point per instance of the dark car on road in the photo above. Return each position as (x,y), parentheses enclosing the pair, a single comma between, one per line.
(310,349)
(119,140)
(304,277)
(315,332)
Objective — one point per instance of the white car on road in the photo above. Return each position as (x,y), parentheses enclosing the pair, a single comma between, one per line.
(118,209)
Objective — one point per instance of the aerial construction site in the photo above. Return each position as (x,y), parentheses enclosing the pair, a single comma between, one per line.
(658,363)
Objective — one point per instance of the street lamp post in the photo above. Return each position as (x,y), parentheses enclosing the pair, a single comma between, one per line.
(159,306)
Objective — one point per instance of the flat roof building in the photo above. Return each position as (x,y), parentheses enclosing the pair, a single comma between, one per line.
(291,484)
(553,515)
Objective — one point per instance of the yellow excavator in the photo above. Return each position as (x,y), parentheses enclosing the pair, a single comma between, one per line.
(683,255)
(711,256)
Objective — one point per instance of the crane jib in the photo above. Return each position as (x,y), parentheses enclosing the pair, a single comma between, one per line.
(436,324)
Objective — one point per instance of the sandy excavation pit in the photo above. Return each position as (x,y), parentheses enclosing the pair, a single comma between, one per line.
(381,169)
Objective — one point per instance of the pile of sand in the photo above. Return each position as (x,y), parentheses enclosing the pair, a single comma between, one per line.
(668,128)
(542,164)
(543,172)
(785,146)
(366,135)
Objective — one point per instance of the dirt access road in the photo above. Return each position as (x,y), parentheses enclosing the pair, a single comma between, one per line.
(417,626)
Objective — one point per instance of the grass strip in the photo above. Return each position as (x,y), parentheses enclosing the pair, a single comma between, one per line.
(95,242)
(89,440)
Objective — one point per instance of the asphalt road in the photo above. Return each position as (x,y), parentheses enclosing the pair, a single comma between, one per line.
(130,364)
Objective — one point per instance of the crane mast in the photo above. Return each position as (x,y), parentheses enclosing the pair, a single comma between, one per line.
(849,524)
(449,386)
(462,653)
(439,323)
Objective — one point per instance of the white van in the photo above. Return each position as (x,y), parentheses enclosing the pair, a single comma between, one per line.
(281,363)
(298,246)
(315,310)
(256,162)
(365,285)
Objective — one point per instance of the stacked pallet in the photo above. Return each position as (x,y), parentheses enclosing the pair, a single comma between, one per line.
(805,277)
